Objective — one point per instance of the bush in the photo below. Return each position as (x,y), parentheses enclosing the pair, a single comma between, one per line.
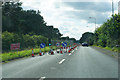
(26,41)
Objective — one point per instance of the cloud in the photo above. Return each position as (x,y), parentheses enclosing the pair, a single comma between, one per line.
(99,10)
(71,17)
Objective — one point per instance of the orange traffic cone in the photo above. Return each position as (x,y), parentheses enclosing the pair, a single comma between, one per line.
(52,53)
(61,52)
(69,50)
(40,54)
(32,53)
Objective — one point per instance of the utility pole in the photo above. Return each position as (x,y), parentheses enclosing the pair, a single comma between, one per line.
(119,8)
(113,10)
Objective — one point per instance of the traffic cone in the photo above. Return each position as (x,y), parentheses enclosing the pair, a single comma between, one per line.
(32,53)
(69,51)
(52,53)
(61,52)
(73,48)
(40,54)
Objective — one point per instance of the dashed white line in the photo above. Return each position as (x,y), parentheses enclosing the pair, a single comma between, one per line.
(70,54)
(72,51)
(42,78)
(61,61)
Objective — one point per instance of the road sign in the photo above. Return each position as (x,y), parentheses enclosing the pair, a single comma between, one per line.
(42,45)
(64,44)
(57,44)
(15,46)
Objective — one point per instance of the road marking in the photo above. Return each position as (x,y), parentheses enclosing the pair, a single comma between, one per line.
(61,61)
(72,51)
(69,54)
(42,78)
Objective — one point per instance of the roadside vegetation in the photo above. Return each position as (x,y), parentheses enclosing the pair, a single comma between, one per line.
(106,36)
(115,49)
(28,28)
(6,57)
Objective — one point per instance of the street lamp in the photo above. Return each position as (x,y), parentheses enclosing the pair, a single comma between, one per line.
(89,28)
(95,21)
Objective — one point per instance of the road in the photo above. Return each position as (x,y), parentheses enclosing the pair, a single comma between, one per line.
(84,62)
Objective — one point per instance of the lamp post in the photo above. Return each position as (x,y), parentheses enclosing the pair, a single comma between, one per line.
(95,26)
(89,29)
(95,21)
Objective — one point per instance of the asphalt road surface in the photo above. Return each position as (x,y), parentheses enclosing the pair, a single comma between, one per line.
(83,62)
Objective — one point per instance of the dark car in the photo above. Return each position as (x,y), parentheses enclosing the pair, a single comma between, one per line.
(84,44)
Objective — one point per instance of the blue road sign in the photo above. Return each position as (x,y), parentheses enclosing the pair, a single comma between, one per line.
(64,44)
(42,45)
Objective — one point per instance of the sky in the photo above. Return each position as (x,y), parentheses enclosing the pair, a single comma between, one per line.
(71,17)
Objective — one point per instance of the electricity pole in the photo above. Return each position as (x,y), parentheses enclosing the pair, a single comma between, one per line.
(113,10)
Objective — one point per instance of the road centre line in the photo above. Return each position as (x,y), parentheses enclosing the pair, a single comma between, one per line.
(61,61)
(42,78)
(72,51)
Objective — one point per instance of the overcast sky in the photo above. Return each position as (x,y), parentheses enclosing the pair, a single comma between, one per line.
(71,17)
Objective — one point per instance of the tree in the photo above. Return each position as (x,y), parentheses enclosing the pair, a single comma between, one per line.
(87,37)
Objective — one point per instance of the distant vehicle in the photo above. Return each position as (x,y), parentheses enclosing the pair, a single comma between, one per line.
(84,44)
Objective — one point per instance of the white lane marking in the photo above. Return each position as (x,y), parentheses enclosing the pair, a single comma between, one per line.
(69,54)
(72,51)
(42,78)
(61,61)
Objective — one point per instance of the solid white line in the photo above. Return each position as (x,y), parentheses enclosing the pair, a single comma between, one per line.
(61,61)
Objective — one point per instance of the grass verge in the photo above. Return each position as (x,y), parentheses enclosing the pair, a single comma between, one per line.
(115,49)
(5,57)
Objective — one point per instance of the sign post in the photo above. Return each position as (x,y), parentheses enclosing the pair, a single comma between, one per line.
(65,45)
(42,45)
(57,45)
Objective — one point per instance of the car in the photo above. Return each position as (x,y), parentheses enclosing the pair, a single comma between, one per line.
(84,44)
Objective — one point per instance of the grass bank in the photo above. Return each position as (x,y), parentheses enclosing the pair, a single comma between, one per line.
(115,49)
(5,57)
